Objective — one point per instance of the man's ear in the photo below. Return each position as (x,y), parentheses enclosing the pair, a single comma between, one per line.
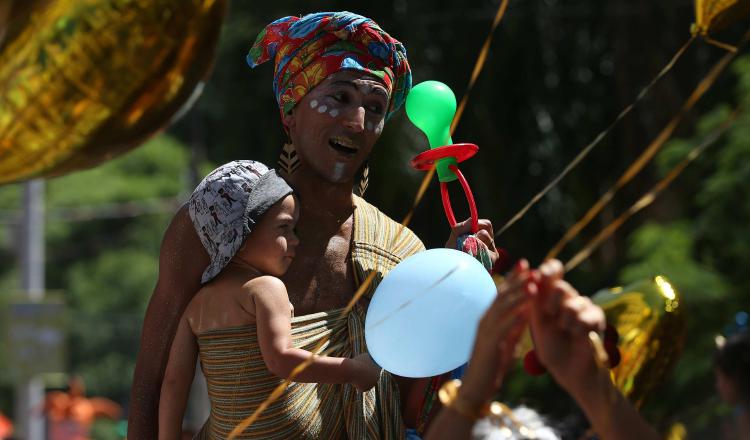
(288,121)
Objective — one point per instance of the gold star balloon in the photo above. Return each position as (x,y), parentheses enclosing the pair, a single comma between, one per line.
(82,81)
(714,15)
(650,321)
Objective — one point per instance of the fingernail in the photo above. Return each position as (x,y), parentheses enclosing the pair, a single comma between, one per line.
(536,276)
(545,270)
(531,288)
(521,265)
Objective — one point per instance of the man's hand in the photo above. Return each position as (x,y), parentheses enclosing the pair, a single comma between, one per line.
(485,235)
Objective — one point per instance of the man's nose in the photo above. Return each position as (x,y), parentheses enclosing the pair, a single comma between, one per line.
(355,119)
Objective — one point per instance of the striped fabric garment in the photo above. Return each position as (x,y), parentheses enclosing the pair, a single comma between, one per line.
(238,380)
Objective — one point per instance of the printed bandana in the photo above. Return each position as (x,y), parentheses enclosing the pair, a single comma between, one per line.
(228,203)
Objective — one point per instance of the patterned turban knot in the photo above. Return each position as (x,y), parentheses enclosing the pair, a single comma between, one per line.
(306,50)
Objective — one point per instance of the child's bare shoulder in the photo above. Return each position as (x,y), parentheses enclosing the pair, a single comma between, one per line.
(264,284)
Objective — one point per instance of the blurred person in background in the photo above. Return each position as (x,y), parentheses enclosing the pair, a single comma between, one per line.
(732,372)
(71,414)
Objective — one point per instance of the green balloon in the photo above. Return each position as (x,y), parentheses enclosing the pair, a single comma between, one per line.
(431,106)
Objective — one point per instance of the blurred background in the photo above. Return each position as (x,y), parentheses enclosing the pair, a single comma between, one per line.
(558,73)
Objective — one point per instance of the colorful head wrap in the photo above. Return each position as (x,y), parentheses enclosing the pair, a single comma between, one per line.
(306,50)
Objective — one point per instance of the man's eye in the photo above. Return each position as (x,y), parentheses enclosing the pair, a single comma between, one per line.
(376,108)
(340,96)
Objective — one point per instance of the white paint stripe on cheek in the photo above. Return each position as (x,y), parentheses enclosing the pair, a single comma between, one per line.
(379,128)
(313,103)
(322,109)
(338,170)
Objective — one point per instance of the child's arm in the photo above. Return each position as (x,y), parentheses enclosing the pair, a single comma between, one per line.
(273,318)
(177,380)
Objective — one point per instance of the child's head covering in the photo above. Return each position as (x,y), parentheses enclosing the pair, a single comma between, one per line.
(306,50)
(228,203)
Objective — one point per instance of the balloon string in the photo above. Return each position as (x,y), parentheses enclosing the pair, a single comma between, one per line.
(650,152)
(719,44)
(650,196)
(596,140)
(404,223)
(479,65)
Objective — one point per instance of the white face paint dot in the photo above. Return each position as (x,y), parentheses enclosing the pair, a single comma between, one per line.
(313,103)
(334,113)
(369,125)
(322,109)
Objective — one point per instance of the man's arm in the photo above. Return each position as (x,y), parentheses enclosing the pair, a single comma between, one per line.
(182,260)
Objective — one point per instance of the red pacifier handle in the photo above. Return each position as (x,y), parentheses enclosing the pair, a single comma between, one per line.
(469,197)
(460,152)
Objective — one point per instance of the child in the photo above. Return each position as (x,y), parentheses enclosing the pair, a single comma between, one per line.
(245,215)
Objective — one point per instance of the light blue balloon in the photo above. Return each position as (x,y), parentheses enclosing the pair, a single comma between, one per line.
(423,317)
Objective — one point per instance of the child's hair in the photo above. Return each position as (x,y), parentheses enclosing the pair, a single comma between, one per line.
(733,360)
(228,203)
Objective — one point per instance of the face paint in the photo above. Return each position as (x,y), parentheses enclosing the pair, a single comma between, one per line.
(369,125)
(313,103)
(334,113)
(338,171)
(379,127)
(322,109)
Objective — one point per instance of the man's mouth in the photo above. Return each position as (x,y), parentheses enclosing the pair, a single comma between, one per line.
(343,145)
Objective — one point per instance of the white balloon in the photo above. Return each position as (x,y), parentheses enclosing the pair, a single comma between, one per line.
(423,317)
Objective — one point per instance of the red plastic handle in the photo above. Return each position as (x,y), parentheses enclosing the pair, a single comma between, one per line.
(469,197)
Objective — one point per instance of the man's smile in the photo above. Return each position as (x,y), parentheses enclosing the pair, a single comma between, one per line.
(343,146)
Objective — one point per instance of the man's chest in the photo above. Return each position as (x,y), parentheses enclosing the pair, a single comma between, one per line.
(321,277)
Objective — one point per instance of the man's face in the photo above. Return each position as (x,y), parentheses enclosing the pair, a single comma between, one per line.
(337,123)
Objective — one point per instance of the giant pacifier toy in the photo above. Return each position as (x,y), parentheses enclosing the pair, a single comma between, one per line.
(431,106)
(422,319)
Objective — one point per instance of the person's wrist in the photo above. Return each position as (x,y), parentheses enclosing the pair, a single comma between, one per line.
(590,388)
(465,401)
(475,388)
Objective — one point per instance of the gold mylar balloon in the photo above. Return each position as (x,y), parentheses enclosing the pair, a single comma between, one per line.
(82,81)
(649,319)
(714,15)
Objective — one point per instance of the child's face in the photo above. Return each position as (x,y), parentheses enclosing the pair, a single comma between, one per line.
(271,245)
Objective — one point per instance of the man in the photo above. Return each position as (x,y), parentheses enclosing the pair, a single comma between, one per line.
(338,77)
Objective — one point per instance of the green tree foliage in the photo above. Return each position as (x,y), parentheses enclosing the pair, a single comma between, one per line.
(103,231)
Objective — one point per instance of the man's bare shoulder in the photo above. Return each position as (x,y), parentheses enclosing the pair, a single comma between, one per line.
(375,228)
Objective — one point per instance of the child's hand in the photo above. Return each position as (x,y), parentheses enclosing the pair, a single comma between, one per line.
(366,373)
